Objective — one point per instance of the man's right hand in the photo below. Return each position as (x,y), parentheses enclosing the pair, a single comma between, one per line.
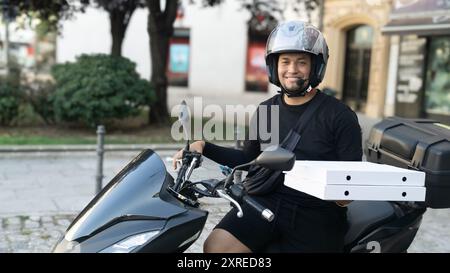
(197,146)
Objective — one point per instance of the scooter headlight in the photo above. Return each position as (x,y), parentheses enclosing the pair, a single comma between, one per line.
(128,244)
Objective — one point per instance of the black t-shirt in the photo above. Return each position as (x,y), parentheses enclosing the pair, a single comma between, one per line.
(333,134)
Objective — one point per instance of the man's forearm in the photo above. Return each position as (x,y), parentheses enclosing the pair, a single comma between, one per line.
(225,156)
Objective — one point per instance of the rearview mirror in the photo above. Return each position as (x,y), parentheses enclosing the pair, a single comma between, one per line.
(276,158)
(273,158)
(183,118)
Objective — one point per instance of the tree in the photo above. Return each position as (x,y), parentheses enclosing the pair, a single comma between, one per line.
(120,12)
(97,88)
(160,29)
(53,12)
(50,11)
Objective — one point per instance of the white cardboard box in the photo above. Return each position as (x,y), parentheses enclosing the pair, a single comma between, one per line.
(328,180)
(357,192)
(356,173)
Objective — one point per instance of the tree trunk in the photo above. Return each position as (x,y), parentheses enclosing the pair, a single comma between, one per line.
(160,29)
(118,28)
(159,43)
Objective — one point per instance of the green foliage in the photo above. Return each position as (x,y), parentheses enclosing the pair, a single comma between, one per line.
(10,98)
(39,94)
(97,88)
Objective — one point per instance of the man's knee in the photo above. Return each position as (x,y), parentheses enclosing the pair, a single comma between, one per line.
(208,245)
(221,241)
(214,243)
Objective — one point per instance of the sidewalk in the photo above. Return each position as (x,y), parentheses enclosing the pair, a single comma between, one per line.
(91,148)
(365,122)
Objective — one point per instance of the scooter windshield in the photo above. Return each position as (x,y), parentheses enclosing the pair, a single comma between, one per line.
(132,194)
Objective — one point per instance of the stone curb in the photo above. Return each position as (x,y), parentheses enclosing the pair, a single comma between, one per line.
(93,148)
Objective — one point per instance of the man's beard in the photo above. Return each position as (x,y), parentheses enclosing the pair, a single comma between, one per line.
(302,87)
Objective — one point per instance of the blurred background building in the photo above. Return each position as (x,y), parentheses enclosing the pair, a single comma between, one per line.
(31,50)
(390,57)
(420,59)
(387,57)
(359,53)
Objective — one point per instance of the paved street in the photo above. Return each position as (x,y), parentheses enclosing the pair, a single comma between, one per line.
(41,193)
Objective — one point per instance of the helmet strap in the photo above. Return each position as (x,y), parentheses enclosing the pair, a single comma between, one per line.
(297,93)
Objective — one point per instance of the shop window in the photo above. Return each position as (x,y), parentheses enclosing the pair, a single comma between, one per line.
(256,76)
(259,27)
(179,56)
(437,86)
(357,66)
(410,75)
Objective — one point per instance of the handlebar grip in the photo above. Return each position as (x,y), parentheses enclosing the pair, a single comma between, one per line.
(266,213)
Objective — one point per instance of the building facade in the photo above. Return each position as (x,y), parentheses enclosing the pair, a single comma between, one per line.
(390,57)
(419,32)
(359,53)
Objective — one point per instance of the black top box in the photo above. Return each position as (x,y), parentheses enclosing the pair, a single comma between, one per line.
(418,144)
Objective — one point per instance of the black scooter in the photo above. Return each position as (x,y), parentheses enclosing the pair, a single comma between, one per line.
(143,209)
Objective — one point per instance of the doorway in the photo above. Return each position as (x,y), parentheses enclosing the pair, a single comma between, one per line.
(357,66)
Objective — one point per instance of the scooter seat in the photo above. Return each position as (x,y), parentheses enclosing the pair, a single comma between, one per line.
(365,216)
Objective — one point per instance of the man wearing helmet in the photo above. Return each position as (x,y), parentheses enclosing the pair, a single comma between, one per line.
(296,58)
(295,40)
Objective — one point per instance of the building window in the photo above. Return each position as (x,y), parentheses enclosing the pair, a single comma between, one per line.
(256,76)
(357,66)
(410,75)
(437,86)
(260,25)
(179,54)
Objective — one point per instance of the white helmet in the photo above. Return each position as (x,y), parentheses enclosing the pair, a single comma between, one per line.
(297,36)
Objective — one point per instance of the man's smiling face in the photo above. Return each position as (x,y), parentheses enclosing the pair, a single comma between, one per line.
(292,67)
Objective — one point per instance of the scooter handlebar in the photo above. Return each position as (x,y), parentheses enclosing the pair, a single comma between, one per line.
(266,213)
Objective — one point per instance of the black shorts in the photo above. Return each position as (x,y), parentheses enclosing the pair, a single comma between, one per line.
(295,228)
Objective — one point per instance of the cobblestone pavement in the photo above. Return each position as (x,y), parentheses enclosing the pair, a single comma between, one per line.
(38,234)
(42,193)
(22,234)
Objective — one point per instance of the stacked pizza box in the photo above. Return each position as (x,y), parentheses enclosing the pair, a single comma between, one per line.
(351,180)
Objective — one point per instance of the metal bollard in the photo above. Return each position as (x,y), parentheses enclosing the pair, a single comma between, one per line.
(100,152)
(238,173)
(238,141)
